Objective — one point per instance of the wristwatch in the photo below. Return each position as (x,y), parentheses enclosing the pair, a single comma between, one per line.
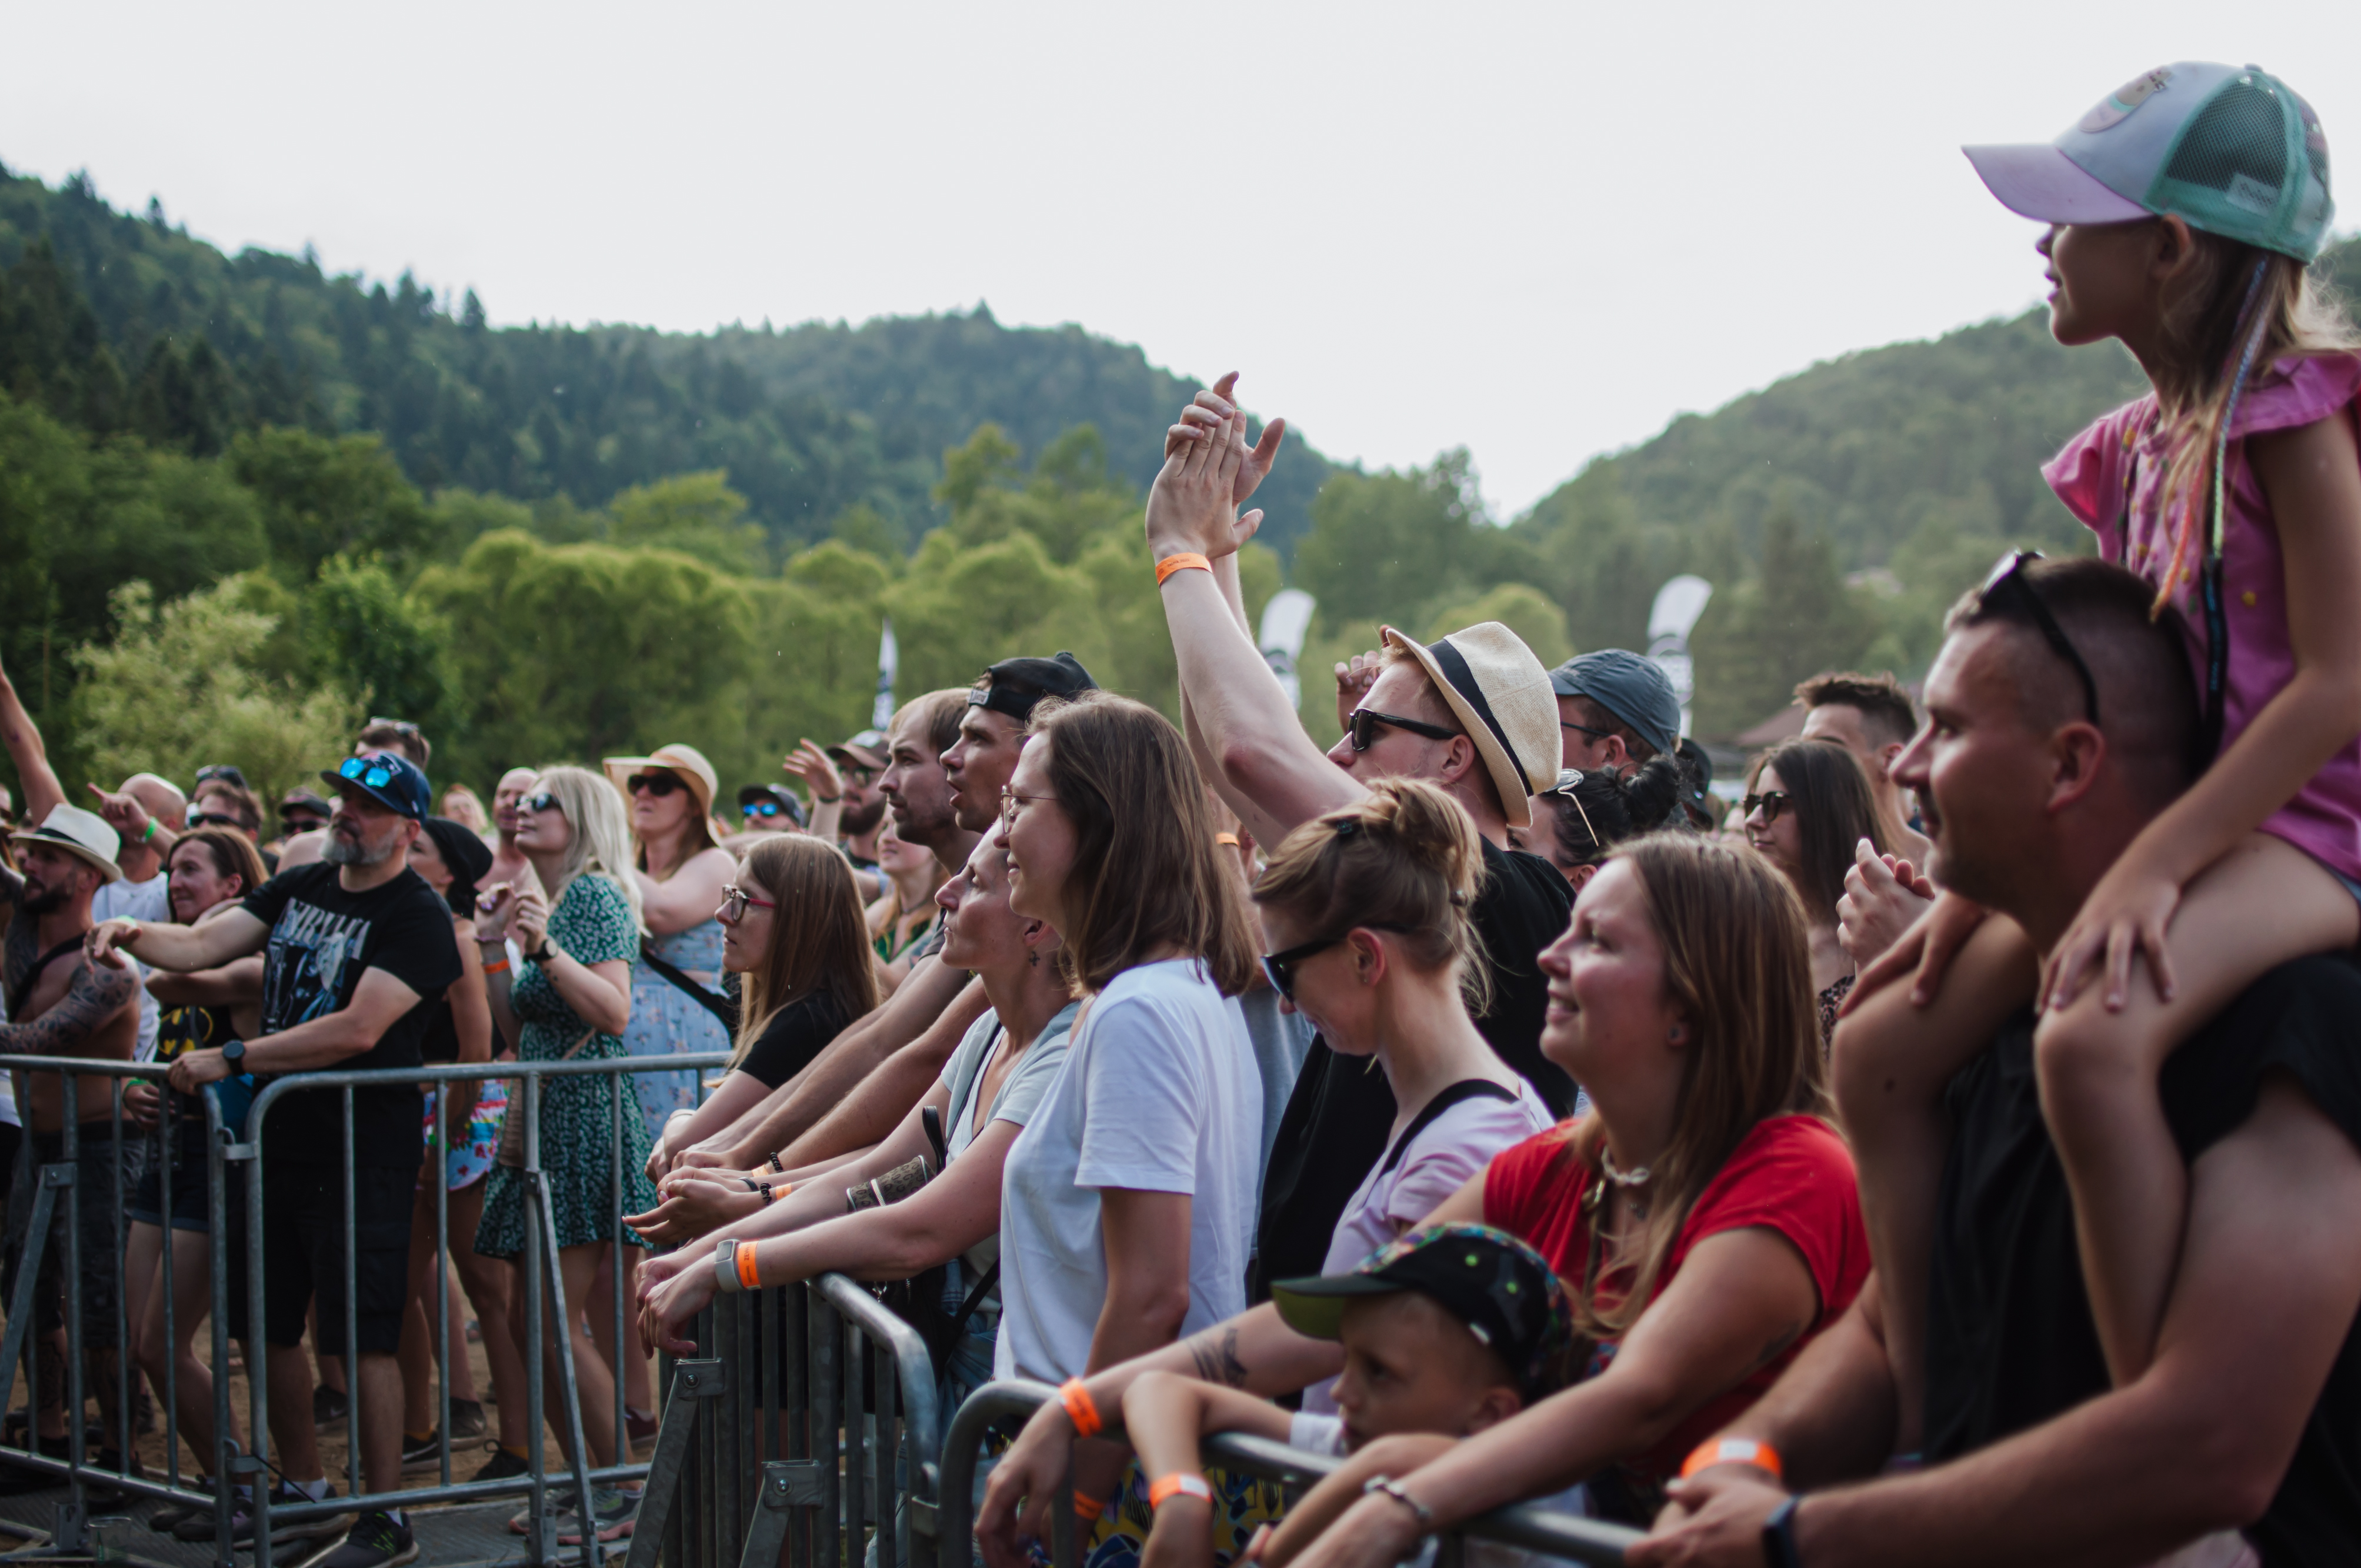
(234,1053)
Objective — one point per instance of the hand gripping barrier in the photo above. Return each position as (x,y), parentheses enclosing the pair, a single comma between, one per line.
(1522,1525)
(808,1425)
(61,1183)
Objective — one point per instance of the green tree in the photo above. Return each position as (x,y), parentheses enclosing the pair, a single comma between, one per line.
(1795,618)
(1388,546)
(696,514)
(379,642)
(329,496)
(177,690)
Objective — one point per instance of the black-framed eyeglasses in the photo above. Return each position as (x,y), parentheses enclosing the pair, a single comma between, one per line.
(2009,572)
(376,776)
(541,801)
(1585,729)
(854,774)
(1364,719)
(659,784)
(1281,968)
(1770,802)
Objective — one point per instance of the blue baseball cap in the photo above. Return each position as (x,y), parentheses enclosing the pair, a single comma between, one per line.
(388,778)
(1633,689)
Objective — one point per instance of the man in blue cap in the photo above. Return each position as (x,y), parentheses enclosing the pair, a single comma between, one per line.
(356,949)
(1615,711)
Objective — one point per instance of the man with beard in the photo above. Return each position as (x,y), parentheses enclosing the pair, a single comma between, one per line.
(991,730)
(356,949)
(849,1083)
(858,762)
(60,1006)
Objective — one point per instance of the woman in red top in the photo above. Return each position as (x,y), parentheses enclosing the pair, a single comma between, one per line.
(1704,1218)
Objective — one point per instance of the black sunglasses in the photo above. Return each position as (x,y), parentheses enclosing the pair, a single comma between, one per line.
(1281,967)
(2008,573)
(542,801)
(213,819)
(657,785)
(1772,803)
(1364,719)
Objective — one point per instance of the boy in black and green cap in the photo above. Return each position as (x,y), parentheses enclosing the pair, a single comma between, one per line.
(1448,1330)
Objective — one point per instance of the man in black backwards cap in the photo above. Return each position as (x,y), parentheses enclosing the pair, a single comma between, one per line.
(999,711)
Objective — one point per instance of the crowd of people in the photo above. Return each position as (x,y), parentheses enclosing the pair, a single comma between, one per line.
(1948,1154)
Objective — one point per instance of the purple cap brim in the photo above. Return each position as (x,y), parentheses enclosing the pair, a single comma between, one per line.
(2038,180)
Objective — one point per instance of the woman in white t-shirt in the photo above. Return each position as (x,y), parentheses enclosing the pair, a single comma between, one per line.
(1128,1202)
(1365,911)
(806,1224)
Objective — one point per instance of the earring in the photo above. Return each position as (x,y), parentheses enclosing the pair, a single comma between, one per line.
(1034,959)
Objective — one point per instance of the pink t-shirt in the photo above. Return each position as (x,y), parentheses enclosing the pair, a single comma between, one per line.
(2090,476)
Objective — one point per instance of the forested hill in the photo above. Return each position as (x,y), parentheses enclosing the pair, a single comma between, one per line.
(811,422)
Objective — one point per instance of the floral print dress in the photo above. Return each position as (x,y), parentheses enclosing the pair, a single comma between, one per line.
(592,922)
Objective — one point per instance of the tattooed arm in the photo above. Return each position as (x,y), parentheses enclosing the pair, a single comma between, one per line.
(95,996)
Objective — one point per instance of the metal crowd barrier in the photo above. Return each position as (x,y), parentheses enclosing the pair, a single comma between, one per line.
(1016,1399)
(808,1425)
(541,1272)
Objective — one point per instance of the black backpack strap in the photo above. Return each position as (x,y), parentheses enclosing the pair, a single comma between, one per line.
(989,1277)
(32,977)
(721,1007)
(1451,1094)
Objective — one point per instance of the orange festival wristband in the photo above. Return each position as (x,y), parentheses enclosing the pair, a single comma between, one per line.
(1180,1483)
(1081,1408)
(1732,1451)
(1186,561)
(746,1276)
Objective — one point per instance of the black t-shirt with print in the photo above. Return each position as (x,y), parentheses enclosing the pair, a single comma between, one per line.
(795,1033)
(1336,1120)
(322,939)
(2010,1342)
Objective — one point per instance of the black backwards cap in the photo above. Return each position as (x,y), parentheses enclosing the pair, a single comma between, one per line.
(1016,687)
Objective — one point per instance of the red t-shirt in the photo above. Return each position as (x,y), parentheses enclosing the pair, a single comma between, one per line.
(1791,1174)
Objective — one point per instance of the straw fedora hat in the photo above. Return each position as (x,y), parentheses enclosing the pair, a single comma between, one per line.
(78,832)
(1501,696)
(686,761)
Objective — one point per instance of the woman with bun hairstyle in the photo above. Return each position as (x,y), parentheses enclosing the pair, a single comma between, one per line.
(1703,1215)
(1365,910)
(1584,815)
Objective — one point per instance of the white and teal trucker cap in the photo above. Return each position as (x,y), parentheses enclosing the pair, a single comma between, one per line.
(2233,150)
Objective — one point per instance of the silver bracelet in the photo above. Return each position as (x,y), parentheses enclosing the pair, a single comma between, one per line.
(725,1266)
(1390,1487)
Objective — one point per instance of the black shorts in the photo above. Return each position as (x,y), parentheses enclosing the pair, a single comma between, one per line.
(304,1253)
(184,1149)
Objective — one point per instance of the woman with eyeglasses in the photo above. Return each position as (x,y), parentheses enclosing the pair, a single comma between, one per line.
(680,872)
(572,1000)
(792,934)
(1127,1205)
(1585,814)
(1807,805)
(904,917)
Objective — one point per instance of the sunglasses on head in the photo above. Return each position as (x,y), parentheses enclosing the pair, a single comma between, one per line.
(360,770)
(1772,803)
(1365,720)
(2008,577)
(658,785)
(399,726)
(220,770)
(1568,781)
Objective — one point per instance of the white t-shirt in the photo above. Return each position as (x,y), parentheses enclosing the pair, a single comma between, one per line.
(1020,1093)
(149,900)
(1159,1093)
(1444,1156)
(1326,1434)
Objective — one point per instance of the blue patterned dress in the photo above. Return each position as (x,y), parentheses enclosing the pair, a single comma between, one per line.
(666,1021)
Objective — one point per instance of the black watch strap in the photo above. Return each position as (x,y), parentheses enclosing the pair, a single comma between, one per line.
(234,1053)
(1779,1537)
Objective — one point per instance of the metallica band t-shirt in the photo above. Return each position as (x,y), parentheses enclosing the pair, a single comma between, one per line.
(322,940)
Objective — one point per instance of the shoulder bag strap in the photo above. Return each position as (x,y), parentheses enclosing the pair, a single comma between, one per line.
(720,1005)
(32,978)
(1466,1089)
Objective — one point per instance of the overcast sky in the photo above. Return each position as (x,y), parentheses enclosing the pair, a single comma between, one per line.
(1539,231)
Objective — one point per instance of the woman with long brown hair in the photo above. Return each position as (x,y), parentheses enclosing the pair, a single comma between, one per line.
(1809,805)
(1703,1215)
(793,931)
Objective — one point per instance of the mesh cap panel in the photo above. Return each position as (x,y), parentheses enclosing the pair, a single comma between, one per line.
(2236,145)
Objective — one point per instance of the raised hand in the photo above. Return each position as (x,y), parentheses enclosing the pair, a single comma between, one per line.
(1193,504)
(1882,897)
(1204,418)
(123,812)
(1354,679)
(822,783)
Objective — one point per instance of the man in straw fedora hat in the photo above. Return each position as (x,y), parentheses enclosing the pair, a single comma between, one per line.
(1472,713)
(61,1005)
